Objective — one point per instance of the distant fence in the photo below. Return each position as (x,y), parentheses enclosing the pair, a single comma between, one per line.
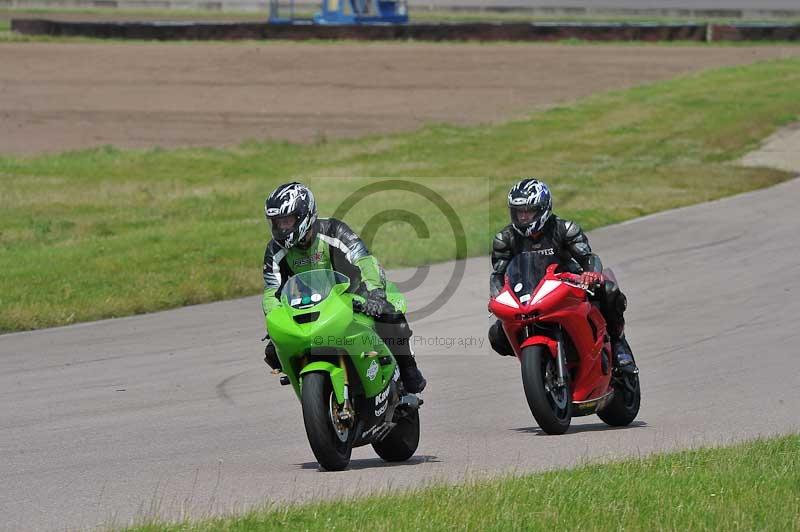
(512,6)
(427,32)
(160,5)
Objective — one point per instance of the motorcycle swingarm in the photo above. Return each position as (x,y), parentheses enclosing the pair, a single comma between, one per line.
(379,432)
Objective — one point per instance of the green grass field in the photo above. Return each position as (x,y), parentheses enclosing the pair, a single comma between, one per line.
(103,233)
(752,486)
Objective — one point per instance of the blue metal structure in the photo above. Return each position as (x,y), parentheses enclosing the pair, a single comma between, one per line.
(340,12)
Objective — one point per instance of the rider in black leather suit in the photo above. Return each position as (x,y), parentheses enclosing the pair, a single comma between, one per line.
(535,228)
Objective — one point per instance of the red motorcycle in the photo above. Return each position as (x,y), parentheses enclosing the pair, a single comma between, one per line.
(559,336)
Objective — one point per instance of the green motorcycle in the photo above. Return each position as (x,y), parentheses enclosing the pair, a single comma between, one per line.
(346,378)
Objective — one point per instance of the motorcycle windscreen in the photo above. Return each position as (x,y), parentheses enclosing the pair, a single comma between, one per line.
(307,289)
(525,271)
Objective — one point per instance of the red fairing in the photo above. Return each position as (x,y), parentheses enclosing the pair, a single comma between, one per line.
(559,302)
(540,340)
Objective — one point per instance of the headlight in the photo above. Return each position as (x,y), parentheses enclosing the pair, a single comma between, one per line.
(507,299)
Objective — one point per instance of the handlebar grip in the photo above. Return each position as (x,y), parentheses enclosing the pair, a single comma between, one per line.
(358,306)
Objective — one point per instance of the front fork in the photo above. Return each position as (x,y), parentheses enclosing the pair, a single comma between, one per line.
(561,356)
(561,362)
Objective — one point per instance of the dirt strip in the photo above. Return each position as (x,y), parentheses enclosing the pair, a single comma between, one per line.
(56,97)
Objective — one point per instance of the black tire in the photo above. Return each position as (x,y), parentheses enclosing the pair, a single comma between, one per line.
(329,449)
(553,416)
(624,406)
(400,444)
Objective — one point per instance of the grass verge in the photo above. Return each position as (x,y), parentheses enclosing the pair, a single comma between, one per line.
(103,233)
(752,486)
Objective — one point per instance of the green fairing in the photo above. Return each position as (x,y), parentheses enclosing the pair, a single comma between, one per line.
(336,373)
(318,257)
(269,302)
(395,298)
(338,328)
(314,258)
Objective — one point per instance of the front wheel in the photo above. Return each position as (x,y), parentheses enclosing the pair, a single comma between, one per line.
(550,404)
(624,406)
(401,443)
(330,441)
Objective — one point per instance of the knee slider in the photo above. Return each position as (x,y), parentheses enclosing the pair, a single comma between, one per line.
(403,330)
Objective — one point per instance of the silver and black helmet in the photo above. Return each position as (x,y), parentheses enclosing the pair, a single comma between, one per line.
(291,212)
(530,205)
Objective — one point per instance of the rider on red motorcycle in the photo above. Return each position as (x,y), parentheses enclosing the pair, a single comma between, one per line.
(535,228)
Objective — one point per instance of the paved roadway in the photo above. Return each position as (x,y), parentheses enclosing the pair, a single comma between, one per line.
(174,413)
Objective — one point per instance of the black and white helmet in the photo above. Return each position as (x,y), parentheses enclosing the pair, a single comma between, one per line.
(530,205)
(291,212)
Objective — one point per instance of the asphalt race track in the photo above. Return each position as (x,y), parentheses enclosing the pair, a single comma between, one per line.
(175,414)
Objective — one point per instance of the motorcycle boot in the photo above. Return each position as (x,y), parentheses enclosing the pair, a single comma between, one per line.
(499,341)
(623,355)
(396,336)
(271,357)
(613,305)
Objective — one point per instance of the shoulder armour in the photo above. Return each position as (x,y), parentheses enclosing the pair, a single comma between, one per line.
(339,235)
(571,229)
(503,243)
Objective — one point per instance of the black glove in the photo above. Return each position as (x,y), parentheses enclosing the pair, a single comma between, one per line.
(271,356)
(376,301)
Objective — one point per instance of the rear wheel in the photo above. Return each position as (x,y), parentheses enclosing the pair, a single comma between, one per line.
(330,440)
(624,406)
(550,404)
(401,443)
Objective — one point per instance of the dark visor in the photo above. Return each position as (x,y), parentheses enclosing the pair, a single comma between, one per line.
(283,222)
(526,213)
